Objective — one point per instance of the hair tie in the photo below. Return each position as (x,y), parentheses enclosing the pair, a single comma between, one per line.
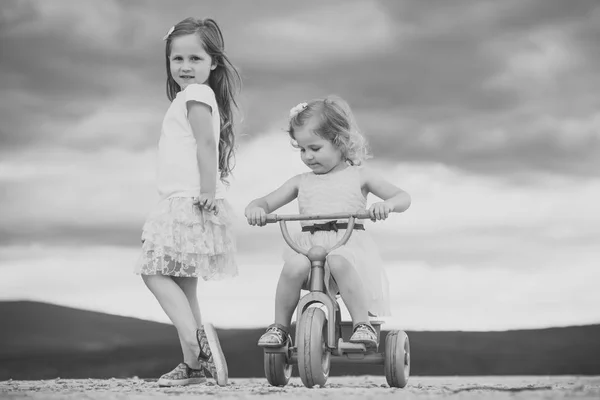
(169,33)
(297,110)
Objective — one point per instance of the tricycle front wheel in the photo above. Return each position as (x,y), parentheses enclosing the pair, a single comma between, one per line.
(313,354)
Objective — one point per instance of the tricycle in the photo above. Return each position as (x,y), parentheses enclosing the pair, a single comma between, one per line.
(321,336)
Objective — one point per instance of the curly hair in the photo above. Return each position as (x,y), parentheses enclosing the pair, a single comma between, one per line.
(336,124)
(224,80)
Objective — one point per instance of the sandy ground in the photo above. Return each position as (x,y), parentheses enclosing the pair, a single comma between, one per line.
(347,388)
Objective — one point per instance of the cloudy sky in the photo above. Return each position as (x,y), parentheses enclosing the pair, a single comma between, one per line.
(486,112)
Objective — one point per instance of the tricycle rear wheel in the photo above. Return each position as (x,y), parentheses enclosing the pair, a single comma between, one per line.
(397,359)
(277,371)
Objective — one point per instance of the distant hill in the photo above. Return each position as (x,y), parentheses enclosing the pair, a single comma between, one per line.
(44,341)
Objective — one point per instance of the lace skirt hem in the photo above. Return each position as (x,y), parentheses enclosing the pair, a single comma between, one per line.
(180,239)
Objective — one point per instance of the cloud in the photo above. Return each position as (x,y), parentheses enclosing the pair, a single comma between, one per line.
(63,195)
(456,217)
(491,88)
(495,88)
(514,144)
(65,62)
(457,298)
(312,37)
(486,113)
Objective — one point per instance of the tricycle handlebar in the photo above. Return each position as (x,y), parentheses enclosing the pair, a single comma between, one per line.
(282,219)
(272,218)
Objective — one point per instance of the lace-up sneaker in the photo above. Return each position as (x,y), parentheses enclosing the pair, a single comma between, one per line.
(211,355)
(365,334)
(182,375)
(275,336)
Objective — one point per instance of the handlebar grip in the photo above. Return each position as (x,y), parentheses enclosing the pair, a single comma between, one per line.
(363,215)
(272,218)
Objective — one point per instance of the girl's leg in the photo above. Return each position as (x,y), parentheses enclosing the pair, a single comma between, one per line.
(216,364)
(293,275)
(174,302)
(351,288)
(189,287)
(355,297)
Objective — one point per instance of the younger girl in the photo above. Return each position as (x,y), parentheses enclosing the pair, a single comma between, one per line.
(188,235)
(333,148)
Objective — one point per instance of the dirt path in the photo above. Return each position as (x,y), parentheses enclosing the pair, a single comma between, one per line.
(346,388)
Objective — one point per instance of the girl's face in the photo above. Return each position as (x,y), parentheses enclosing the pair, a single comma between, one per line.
(320,155)
(189,61)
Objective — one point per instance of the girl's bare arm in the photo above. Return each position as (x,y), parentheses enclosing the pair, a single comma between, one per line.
(200,117)
(257,209)
(396,198)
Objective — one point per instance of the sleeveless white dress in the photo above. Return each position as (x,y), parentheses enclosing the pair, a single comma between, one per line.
(334,193)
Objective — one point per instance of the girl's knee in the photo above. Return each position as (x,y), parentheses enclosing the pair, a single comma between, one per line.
(296,267)
(156,281)
(149,279)
(187,284)
(337,263)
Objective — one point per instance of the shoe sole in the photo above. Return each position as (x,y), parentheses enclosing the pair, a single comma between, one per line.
(271,345)
(217,354)
(368,344)
(180,382)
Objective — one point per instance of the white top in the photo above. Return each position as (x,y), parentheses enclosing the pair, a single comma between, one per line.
(178,172)
(334,192)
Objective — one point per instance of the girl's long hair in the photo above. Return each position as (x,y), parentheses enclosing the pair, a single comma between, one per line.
(224,80)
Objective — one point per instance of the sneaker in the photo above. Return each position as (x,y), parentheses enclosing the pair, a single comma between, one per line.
(211,355)
(365,334)
(182,375)
(275,336)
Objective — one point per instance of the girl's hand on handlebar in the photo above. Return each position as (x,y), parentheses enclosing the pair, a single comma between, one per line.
(256,216)
(380,210)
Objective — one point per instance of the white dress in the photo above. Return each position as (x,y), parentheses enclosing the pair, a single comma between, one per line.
(179,238)
(334,193)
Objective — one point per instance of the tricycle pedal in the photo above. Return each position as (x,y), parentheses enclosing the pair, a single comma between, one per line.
(348,348)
